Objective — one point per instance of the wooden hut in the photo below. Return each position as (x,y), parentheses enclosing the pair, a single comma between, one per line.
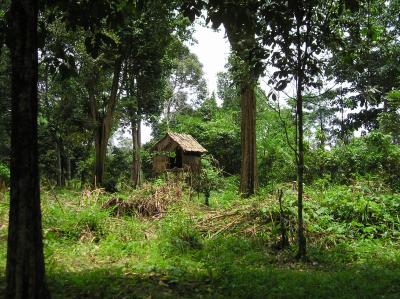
(177,151)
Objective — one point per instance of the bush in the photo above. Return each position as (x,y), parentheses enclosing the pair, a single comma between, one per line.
(361,210)
(84,225)
(370,156)
(4,173)
(180,234)
(210,178)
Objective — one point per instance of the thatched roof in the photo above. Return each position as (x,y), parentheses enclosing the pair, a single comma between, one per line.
(184,141)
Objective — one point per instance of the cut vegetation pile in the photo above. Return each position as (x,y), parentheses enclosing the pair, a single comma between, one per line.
(254,218)
(150,201)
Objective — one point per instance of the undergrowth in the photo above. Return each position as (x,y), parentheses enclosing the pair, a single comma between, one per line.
(227,250)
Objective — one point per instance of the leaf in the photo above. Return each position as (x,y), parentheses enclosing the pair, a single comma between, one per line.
(281,85)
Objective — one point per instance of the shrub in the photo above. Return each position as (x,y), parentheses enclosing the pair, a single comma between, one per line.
(180,234)
(210,178)
(370,156)
(4,173)
(360,210)
(84,225)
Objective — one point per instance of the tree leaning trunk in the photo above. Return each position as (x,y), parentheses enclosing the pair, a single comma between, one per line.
(137,161)
(25,271)
(103,124)
(248,173)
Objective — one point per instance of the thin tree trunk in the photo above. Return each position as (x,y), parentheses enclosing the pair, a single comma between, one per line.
(168,114)
(25,271)
(137,161)
(248,173)
(59,165)
(342,133)
(101,150)
(68,162)
(301,254)
(300,173)
(321,126)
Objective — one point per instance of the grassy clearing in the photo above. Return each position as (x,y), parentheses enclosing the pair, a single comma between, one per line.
(225,251)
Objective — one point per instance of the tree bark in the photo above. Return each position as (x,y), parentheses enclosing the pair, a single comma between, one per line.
(68,162)
(137,161)
(60,162)
(25,271)
(301,254)
(300,172)
(103,124)
(241,41)
(59,165)
(100,145)
(248,173)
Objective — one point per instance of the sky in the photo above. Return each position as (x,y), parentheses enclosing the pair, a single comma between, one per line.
(212,48)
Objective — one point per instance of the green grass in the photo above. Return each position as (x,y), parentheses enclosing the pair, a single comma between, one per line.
(92,254)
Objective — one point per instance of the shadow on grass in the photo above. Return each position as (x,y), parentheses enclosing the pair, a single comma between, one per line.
(112,283)
(365,282)
(232,267)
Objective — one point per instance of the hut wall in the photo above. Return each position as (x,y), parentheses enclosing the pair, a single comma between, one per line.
(160,163)
(191,160)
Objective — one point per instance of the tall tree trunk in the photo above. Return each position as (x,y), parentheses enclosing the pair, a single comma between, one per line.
(248,173)
(301,254)
(103,124)
(101,149)
(59,165)
(342,129)
(137,161)
(168,113)
(25,271)
(241,41)
(68,162)
(300,172)
(60,162)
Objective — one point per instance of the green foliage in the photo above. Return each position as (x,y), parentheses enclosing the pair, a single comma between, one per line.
(227,91)
(351,199)
(389,121)
(373,155)
(85,224)
(353,236)
(4,173)
(119,163)
(180,234)
(358,211)
(275,136)
(362,211)
(365,60)
(210,177)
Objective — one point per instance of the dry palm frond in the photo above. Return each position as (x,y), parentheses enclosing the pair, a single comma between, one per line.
(150,201)
(248,219)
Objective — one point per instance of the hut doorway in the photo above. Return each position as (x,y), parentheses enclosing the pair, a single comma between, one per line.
(176,162)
